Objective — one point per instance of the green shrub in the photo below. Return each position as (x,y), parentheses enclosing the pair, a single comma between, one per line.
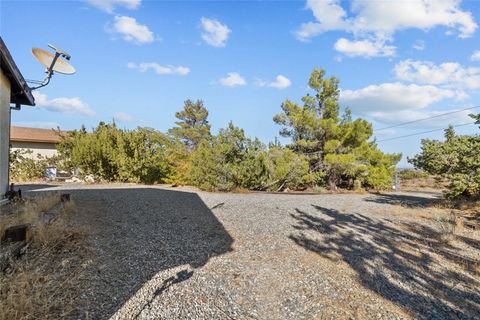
(24,167)
(410,174)
(112,154)
(456,159)
(229,160)
(327,149)
(288,170)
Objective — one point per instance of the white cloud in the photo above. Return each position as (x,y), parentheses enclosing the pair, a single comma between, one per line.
(159,69)
(281,82)
(394,97)
(419,45)
(214,32)
(438,121)
(123,117)
(329,16)
(109,5)
(475,56)
(374,23)
(364,48)
(448,74)
(131,30)
(62,105)
(37,124)
(233,79)
(400,102)
(384,18)
(393,103)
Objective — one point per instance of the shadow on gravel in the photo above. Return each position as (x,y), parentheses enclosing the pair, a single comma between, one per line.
(410,201)
(138,232)
(179,277)
(395,261)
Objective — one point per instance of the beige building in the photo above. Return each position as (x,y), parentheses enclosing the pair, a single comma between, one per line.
(13,90)
(40,141)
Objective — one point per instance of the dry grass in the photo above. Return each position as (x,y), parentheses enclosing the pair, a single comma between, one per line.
(240,190)
(446,224)
(470,207)
(447,221)
(465,213)
(28,211)
(41,285)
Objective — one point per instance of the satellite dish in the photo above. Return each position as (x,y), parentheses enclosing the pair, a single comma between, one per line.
(53,63)
(46,58)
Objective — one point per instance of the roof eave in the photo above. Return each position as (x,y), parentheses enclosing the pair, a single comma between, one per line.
(34,140)
(20,92)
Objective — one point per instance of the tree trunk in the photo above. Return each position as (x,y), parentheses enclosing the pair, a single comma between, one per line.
(332,182)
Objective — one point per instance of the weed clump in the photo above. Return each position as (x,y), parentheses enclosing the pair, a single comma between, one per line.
(41,284)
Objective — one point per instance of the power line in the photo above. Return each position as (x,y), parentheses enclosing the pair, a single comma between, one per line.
(423,119)
(424,132)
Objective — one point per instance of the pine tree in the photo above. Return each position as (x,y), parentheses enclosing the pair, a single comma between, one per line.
(338,148)
(455,159)
(192,126)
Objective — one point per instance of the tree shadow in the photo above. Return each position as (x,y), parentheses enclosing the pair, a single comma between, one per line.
(399,261)
(410,201)
(167,283)
(135,233)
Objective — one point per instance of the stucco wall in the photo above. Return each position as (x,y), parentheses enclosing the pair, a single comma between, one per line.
(4,132)
(44,149)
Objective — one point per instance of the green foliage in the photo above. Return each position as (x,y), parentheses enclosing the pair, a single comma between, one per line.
(141,156)
(380,167)
(328,148)
(26,167)
(192,127)
(229,160)
(178,157)
(456,159)
(410,174)
(476,117)
(112,154)
(288,170)
(338,148)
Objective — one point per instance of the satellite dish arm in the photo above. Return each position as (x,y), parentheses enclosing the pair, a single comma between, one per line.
(49,70)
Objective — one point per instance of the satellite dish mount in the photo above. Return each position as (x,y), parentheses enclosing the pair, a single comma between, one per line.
(53,63)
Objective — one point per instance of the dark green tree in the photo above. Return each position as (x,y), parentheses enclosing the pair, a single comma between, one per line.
(192,126)
(113,154)
(338,147)
(476,117)
(229,160)
(456,159)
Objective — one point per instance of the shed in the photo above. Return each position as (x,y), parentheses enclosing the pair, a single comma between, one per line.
(13,90)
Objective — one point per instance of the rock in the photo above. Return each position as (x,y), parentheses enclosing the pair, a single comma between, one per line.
(89,178)
(73,180)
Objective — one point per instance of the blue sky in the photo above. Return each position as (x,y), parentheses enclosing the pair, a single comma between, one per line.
(137,61)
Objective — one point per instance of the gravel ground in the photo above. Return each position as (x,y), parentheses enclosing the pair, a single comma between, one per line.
(179,254)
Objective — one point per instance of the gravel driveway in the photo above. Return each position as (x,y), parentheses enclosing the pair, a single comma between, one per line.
(176,254)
